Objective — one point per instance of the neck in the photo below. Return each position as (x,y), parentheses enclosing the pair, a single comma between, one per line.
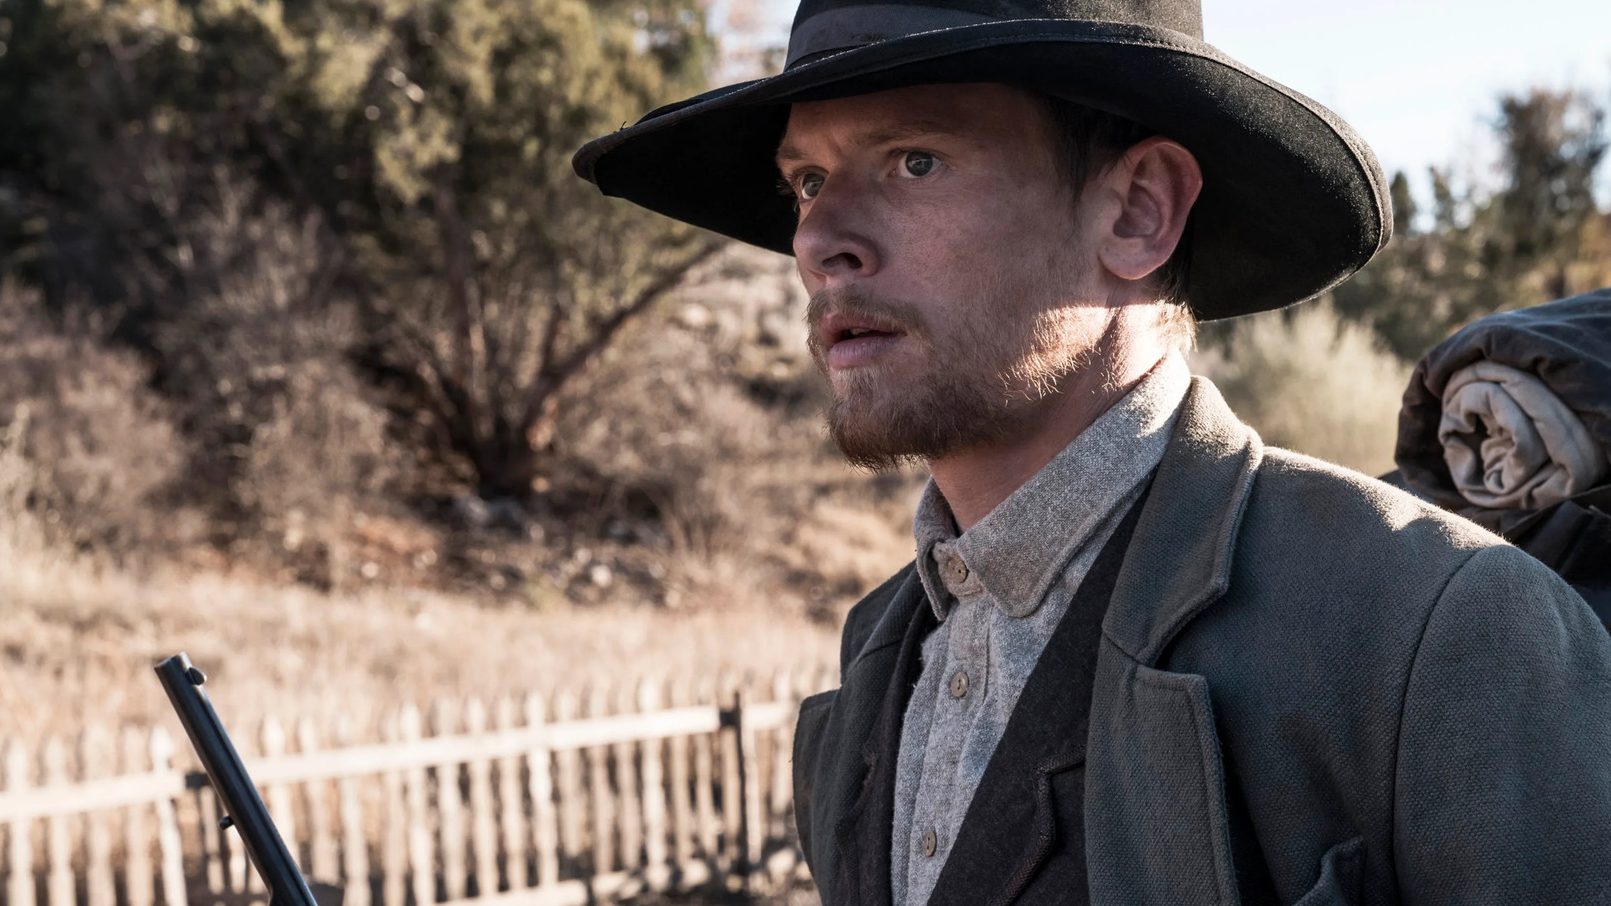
(975,480)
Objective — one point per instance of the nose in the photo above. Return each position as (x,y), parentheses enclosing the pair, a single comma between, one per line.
(833,241)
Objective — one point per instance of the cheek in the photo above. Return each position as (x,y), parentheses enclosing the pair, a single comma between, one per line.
(994,229)
(977,258)
(952,245)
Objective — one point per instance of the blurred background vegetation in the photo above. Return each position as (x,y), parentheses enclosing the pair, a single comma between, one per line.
(311,334)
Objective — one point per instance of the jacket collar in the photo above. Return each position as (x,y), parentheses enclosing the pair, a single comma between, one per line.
(1180,558)
(892,624)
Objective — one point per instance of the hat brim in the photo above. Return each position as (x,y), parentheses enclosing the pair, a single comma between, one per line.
(1293,201)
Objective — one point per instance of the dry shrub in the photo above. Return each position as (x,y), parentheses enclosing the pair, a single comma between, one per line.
(676,444)
(22,531)
(315,464)
(85,446)
(1312,382)
(291,442)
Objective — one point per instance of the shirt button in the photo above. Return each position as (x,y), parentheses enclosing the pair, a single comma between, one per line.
(959,569)
(931,842)
(959,684)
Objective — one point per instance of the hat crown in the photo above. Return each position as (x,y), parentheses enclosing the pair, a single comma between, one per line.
(823,26)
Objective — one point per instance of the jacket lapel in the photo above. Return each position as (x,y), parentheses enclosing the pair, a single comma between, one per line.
(1180,559)
(1016,816)
(1156,820)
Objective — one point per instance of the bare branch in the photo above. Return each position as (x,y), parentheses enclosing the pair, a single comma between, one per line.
(606,330)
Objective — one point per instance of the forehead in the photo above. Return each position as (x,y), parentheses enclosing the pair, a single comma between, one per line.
(984,114)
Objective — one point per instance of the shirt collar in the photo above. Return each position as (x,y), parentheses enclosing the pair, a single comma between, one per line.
(1020,548)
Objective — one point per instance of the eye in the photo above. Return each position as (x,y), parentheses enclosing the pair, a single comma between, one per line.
(800,187)
(917,164)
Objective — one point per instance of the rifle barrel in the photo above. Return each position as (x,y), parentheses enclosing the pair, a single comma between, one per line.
(243,806)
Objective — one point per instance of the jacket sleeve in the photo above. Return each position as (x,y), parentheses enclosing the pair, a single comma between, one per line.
(1503,782)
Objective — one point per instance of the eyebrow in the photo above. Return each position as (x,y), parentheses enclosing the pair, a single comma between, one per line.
(905,131)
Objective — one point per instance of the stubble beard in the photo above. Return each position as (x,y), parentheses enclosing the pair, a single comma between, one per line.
(981,384)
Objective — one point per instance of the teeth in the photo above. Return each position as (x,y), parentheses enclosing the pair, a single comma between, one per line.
(859,331)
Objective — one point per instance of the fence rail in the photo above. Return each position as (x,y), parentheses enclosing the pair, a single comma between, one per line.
(539,800)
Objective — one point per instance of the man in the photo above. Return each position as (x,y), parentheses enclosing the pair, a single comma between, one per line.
(1139,657)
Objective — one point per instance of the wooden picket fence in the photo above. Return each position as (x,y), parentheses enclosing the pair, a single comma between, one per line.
(536,801)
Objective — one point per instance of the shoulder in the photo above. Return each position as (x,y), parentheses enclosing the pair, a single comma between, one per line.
(1501,598)
(1355,528)
(1442,682)
(1342,573)
(1369,530)
(1333,567)
(865,615)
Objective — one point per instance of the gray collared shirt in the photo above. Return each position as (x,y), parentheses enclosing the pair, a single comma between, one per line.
(999,591)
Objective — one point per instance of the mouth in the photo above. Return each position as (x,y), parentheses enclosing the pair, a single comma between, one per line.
(849,341)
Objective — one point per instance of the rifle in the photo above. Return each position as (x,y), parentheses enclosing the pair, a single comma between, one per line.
(243,807)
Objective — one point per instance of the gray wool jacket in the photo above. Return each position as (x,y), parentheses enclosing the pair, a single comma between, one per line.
(1308,688)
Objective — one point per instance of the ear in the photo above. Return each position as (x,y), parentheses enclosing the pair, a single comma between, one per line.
(1154,184)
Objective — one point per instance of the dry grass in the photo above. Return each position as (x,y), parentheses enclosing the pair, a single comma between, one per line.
(77,645)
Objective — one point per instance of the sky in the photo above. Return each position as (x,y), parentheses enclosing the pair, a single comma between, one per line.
(1417,78)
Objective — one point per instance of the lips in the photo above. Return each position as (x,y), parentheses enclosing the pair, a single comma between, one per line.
(849,340)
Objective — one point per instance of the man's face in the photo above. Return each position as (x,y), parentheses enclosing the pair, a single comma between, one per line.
(952,290)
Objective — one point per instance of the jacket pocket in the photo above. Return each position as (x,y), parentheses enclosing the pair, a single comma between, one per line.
(814,712)
(1155,791)
(1341,870)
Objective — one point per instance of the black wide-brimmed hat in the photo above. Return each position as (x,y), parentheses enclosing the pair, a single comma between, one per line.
(1293,200)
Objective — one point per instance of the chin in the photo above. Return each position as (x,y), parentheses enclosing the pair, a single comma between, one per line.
(888,431)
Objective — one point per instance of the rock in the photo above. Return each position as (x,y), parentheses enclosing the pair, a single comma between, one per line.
(694,316)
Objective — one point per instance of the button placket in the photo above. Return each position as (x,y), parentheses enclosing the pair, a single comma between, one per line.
(972,655)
